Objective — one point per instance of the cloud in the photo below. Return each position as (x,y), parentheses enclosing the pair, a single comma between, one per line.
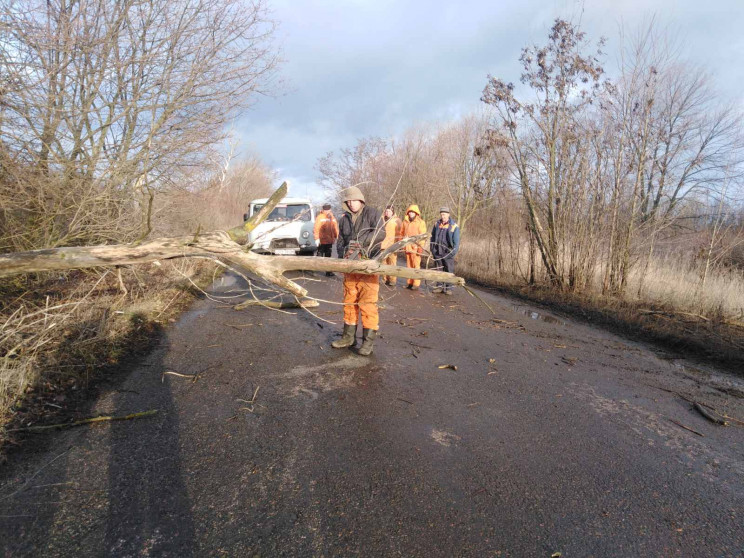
(362,68)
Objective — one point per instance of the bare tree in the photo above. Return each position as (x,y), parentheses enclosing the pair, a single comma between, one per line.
(673,141)
(356,165)
(474,167)
(541,135)
(108,101)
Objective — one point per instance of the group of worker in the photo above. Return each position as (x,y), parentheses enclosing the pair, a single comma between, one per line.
(362,233)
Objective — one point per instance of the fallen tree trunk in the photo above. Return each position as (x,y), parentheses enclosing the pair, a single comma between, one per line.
(219,245)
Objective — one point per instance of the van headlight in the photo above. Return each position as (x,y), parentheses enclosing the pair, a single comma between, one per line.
(305,234)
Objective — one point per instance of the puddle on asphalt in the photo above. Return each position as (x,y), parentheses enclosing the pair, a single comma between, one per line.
(529,312)
(226,281)
(190,316)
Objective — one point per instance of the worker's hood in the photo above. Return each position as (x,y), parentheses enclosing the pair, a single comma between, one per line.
(415,208)
(349,194)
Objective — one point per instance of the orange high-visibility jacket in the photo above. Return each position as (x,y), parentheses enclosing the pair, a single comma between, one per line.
(414,228)
(393,231)
(326,227)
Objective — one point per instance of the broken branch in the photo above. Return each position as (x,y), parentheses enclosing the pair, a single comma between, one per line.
(105,418)
(400,244)
(239,234)
(218,245)
(707,414)
(686,427)
(193,377)
(309,303)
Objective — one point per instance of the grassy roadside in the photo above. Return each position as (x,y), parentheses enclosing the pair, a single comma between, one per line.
(61,336)
(665,300)
(714,341)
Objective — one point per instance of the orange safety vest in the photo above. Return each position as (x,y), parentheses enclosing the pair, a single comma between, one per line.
(393,231)
(414,228)
(326,227)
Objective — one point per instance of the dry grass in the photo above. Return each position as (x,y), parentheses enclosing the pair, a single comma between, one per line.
(672,308)
(671,281)
(58,332)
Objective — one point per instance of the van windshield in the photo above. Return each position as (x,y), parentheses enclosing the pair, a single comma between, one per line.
(287,212)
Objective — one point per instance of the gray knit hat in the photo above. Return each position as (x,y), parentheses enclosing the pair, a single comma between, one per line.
(444,209)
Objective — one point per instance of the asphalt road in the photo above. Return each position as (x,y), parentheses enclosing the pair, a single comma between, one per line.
(550,437)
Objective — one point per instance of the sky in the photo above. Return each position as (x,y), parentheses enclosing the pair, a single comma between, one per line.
(356,68)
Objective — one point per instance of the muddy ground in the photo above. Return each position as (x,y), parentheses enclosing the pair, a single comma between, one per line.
(550,436)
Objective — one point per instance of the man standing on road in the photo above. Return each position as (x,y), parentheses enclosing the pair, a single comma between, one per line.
(445,241)
(413,225)
(360,237)
(326,233)
(393,233)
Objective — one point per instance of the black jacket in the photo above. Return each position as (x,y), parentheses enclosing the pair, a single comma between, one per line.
(368,231)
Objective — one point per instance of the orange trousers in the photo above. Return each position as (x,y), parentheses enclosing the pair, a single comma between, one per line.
(414,261)
(360,295)
(392,259)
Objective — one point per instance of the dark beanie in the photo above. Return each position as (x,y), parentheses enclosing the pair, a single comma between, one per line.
(326,206)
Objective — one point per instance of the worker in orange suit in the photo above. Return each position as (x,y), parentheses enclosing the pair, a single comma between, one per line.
(325,232)
(393,233)
(413,225)
(360,237)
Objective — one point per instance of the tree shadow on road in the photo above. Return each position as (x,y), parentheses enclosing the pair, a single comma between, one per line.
(149,508)
(114,489)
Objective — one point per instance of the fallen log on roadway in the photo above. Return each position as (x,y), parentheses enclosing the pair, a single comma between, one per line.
(225,246)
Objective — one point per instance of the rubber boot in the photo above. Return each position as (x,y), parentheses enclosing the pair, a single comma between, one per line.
(348,339)
(368,335)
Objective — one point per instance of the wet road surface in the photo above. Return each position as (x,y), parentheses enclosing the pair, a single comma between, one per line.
(550,436)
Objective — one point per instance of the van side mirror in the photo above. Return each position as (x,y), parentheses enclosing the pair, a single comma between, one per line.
(246,216)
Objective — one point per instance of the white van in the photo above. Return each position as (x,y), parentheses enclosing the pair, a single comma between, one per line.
(288,230)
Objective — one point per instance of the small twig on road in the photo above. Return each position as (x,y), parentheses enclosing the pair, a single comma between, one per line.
(238,326)
(32,477)
(253,399)
(474,294)
(480,491)
(193,377)
(252,402)
(404,400)
(104,418)
(450,366)
(686,427)
(682,396)
(710,416)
